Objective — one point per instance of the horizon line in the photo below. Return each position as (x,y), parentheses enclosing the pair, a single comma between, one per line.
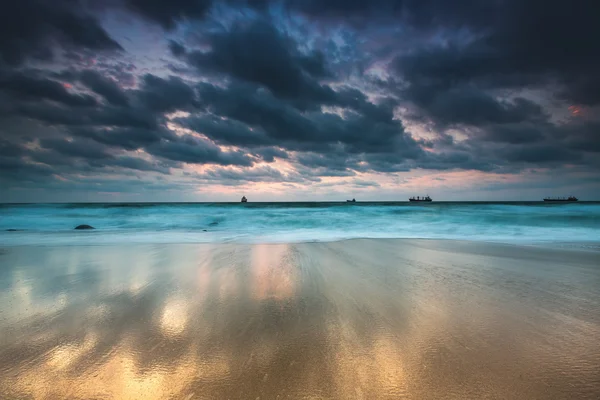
(291,202)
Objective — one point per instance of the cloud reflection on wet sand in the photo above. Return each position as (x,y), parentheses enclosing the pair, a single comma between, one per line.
(356,319)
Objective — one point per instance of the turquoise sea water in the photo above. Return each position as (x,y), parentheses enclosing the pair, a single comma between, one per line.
(296,222)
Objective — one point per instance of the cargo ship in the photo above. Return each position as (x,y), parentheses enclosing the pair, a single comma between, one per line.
(426,198)
(561,199)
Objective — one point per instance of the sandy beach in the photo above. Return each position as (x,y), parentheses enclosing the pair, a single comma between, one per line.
(355,319)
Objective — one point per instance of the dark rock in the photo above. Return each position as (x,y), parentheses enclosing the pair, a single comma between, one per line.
(204,230)
(214,223)
(84,227)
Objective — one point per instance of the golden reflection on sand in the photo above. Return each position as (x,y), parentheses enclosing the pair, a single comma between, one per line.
(273,271)
(347,320)
(119,377)
(174,317)
(361,371)
(63,356)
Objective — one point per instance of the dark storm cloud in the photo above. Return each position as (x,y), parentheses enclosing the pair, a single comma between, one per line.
(69,163)
(275,63)
(58,156)
(193,150)
(330,165)
(31,28)
(470,106)
(8,149)
(323,92)
(256,117)
(73,155)
(234,177)
(154,97)
(526,43)
(226,131)
(472,159)
(411,16)
(257,108)
(542,154)
(583,136)
(140,164)
(17,169)
(102,130)
(516,133)
(124,138)
(164,95)
(104,87)
(30,87)
(177,49)
(76,148)
(169,13)
(269,154)
(104,116)
(583,90)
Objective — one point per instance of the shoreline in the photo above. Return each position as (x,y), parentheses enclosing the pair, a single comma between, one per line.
(590,245)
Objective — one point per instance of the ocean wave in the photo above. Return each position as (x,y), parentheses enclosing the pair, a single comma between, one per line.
(268,222)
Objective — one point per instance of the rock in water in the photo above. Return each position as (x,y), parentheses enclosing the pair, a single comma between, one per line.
(84,227)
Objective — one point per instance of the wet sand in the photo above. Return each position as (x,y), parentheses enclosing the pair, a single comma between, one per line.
(357,319)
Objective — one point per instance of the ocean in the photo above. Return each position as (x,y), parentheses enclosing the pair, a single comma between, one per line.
(118,223)
(264,300)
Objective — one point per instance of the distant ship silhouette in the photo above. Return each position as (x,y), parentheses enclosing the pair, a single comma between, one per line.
(244,199)
(426,198)
(351,201)
(563,199)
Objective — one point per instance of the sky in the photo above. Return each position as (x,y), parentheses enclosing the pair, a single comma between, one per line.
(207,100)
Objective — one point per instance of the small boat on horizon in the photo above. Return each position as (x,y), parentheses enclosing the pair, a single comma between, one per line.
(351,201)
(561,199)
(244,199)
(419,199)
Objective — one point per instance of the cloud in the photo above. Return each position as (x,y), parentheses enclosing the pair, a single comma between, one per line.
(582,136)
(226,131)
(276,64)
(164,95)
(18,170)
(169,13)
(470,106)
(542,153)
(520,47)
(256,117)
(82,148)
(236,176)
(105,87)
(32,88)
(126,138)
(193,150)
(364,183)
(334,89)
(269,154)
(32,29)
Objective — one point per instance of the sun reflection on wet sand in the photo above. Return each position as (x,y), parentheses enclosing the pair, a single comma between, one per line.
(359,319)
(63,356)
(174,317)
(272,272)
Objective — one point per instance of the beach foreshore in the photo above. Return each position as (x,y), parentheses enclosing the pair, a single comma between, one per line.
(353,319)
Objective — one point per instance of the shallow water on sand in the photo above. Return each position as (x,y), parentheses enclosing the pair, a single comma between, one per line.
(358,319)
